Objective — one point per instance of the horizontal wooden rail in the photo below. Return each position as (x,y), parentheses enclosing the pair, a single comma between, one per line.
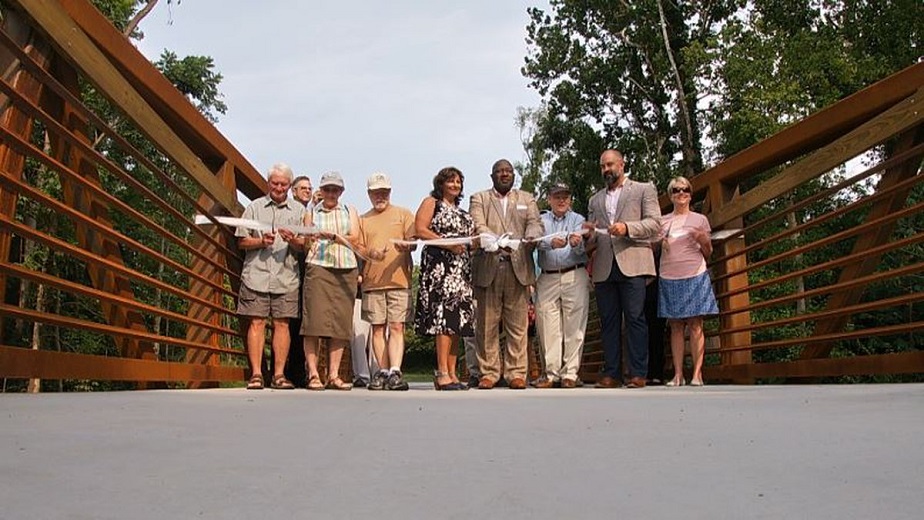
(104,127)
(83,290)
(889,330)
(60,245)
(79,218)
(74,323)
(881,364)
(813,316)
(45,364)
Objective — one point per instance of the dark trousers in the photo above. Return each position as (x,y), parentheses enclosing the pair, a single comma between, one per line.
(656,328)
(618,297)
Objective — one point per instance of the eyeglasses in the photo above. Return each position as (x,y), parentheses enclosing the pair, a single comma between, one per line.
(681,190)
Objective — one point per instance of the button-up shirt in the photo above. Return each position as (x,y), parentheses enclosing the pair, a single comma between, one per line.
(564,257)
(272,269)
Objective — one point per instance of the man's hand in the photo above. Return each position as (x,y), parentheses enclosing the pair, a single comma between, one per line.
(268,238)
(574,239)
(558,242)
(287,236)
(619,229)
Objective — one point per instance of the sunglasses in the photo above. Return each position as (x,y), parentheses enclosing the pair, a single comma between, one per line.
(681,190)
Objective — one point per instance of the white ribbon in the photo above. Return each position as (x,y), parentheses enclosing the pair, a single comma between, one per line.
(256,225)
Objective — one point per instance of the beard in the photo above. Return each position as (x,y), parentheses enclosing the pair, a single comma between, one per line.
(610,178)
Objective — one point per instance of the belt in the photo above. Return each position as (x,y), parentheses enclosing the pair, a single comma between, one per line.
(565,270)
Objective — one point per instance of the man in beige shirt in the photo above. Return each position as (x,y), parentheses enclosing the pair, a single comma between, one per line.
(386,288)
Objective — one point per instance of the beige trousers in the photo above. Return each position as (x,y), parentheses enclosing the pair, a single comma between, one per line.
(561,319)
(505,301)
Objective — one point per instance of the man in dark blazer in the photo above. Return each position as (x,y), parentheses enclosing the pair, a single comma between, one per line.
(623,217)
(502,278)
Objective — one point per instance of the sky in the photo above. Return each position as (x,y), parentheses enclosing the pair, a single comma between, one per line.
(405,86)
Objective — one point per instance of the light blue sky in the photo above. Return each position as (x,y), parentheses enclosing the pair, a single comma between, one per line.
(405,87)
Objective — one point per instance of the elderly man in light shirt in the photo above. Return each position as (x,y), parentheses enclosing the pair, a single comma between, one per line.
(562,290)
(269,279)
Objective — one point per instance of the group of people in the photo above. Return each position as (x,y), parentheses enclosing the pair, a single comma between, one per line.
(478,276)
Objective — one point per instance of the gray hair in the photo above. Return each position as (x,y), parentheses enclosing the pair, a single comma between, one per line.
(280,169)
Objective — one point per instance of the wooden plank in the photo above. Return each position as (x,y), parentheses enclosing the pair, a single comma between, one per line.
(27,363)
(109,330)
(816,130)
(192,127)
(83,54)
(882,364)
(903,116)
(868,263)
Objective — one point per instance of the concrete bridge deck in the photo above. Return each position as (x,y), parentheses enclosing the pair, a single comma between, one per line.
(716,452)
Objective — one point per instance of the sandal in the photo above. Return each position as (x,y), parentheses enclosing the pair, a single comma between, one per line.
(314,383)
(281,383)
(255,382)
(338,384)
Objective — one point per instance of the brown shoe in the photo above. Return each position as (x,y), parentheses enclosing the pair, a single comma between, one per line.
(636,382)
(485,384)
(517,383)
(543,383)
(568,383)
(607,382)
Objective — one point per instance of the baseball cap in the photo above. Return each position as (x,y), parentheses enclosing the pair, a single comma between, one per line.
(378,181)
(559,187)
(331,179)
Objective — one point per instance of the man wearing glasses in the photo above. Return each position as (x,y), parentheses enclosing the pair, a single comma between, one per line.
(623,217)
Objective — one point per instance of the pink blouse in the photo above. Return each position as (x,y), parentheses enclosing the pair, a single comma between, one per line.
(682,256)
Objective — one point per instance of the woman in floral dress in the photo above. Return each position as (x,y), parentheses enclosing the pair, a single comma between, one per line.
(445,307)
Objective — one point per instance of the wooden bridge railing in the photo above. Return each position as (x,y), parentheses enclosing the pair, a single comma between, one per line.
(824,277)
(103,163)
(104,276)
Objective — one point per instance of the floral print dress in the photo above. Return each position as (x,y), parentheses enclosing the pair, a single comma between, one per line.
(445,302)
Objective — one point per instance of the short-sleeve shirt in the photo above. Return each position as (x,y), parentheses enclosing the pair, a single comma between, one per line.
(271,269)
(683,256)
(376,231)
(326,252)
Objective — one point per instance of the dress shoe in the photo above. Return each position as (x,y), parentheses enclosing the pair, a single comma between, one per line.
(473,381)
(636,382)
(485,384)
(607,382)
(568,383)
(543,383)
(517,383)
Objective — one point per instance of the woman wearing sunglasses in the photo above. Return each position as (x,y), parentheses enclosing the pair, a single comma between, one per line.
(685,289)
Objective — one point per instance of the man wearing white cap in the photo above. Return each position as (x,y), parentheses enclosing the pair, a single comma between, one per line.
(386,287)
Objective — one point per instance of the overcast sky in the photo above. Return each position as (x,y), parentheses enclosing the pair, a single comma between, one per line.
(404,86)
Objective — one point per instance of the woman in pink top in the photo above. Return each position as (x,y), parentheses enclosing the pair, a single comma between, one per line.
(685,289)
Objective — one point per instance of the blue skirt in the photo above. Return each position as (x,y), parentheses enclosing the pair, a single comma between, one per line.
(686,298)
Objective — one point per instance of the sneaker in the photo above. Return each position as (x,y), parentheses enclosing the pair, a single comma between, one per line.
(396,382)
(360,382)
(378,380)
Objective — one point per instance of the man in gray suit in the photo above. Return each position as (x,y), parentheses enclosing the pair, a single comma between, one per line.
(502,278)
(622,217)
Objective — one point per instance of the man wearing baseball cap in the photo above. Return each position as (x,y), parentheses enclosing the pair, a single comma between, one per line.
(563,291)
(386,287)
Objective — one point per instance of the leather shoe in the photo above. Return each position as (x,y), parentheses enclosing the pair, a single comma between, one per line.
(517,383)
(568,383)
(543,383)
(607,382)
(636,382)
(485,384)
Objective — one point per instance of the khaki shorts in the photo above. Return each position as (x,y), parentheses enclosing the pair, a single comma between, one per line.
(265,305)
(387,306)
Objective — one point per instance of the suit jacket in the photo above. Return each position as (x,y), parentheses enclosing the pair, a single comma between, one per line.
(522,220)
(638,208)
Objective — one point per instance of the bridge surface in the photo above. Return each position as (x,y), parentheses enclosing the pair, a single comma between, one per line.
(716,452)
